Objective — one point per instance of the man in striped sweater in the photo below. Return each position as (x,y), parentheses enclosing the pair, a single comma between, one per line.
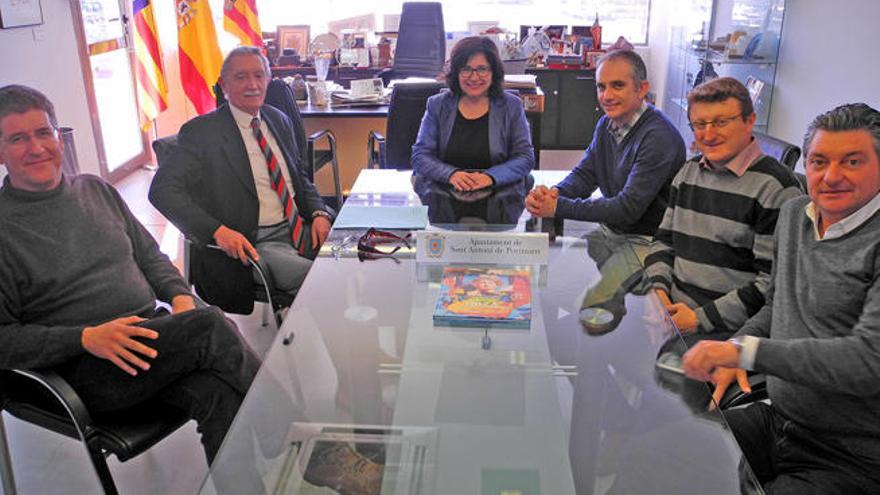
(711,256)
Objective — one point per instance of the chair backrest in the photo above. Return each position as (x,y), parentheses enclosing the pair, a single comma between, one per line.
(163,148)
(404,118)
(786,153)
(280,96)
(421,42)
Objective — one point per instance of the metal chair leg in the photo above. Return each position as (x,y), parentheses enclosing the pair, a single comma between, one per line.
(6,475)
(265,319)
(100,463)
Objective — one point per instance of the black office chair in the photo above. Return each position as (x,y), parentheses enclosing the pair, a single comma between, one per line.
(421,42)
(264,291)
(44,398)
(315,155)
(786,153)
(405,114)
(280,96)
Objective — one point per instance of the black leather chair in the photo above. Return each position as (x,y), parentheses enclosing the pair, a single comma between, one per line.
(280,96)
(405,114)
(421,42)
(786,153)
(44,398)
(264,291)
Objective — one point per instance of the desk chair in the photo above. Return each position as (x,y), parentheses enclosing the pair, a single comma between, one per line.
(280,96)
(405,114)
(315,155)
(264,291)
(45,399)
(421,42)
(786,153)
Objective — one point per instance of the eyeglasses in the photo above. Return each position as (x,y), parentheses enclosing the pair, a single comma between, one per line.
(367,244)
(717,123)
(481,71)
(43,136)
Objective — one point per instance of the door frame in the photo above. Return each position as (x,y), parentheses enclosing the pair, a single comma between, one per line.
(85,64)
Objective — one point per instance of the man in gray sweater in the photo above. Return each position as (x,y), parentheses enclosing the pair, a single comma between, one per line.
(80,278)
(818,335)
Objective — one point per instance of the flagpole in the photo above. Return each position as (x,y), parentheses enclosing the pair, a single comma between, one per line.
(151,166)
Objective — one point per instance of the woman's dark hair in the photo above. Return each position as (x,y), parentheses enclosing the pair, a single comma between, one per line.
(467,48)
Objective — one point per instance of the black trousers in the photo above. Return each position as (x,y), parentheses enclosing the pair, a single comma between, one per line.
(203,367)
(790,459)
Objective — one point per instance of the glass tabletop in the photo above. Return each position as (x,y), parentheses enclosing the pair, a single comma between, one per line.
(362,393)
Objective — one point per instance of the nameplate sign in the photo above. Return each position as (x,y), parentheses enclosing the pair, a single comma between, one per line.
(508,248)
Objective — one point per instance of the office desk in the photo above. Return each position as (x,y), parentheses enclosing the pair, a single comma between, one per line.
(564,407)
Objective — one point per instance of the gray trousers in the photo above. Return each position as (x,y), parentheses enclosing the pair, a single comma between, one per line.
(278,258)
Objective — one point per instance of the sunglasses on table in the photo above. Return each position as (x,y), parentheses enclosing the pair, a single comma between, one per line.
(368,244)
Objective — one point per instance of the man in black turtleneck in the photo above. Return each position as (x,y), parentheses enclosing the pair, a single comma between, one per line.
(80,277)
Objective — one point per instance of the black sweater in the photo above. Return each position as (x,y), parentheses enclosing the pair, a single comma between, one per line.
(70,258)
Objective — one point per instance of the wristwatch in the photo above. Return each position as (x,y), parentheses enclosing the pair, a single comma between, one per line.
(321,213)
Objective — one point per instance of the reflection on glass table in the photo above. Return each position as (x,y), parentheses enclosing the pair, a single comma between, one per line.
(360,385)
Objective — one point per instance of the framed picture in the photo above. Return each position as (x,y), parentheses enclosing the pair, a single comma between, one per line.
(295,37)
(592,57)
(18,13)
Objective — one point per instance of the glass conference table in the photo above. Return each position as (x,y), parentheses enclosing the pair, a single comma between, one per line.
(572,405)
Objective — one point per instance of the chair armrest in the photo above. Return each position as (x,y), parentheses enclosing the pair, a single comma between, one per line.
(319,134)
(734,396)
(374,156)
(265,277)
(65,394)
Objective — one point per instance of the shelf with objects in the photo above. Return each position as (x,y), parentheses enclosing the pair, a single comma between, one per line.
(724,38)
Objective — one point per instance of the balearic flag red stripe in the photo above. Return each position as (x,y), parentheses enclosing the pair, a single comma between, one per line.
(240,18)
(152,92)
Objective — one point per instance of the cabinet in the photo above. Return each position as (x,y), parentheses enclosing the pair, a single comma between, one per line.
(698,53)
(571,109)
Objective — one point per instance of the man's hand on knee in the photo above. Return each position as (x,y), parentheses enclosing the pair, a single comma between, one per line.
(234,244)
(114,341)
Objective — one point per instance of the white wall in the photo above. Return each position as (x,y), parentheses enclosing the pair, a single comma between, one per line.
(45,57)
(828,56)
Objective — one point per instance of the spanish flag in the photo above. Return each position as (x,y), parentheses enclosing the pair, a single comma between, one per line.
(152,93)
(199,53)
(240,18)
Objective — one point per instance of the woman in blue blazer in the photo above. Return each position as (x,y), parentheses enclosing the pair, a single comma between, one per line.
(474,152)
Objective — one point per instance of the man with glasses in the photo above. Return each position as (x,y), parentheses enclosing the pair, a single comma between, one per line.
(634,155)
(80,281)
(818,336)
(711,256)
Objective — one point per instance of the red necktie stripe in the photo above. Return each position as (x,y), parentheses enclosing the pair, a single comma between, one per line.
(280,187)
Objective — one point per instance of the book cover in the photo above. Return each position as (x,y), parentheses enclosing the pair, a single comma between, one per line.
(485,297)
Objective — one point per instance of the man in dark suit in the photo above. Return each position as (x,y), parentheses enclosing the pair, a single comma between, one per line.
(228,182)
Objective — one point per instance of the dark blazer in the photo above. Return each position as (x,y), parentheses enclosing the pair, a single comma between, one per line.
(208,182)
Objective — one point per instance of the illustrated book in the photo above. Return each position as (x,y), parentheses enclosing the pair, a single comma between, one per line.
(478,297)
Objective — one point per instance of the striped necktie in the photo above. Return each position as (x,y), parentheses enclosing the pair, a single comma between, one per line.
(279,185)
